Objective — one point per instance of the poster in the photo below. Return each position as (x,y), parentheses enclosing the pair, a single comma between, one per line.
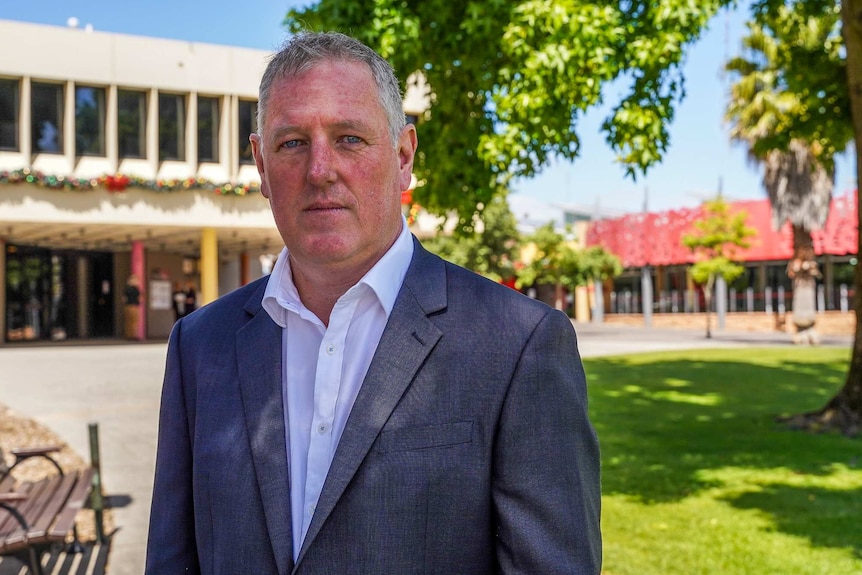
(160,294)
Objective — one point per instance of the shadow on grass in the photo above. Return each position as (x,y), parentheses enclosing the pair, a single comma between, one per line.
(667,422)
(826,517)
(661,418)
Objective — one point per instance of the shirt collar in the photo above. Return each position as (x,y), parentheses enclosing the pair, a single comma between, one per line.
(384,279)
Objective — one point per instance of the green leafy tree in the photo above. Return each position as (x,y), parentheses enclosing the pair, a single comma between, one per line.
(508,80)
(798,175)
(715,240)
(598,264)
(817,66)
(550,260)
(490,248)
(556,261)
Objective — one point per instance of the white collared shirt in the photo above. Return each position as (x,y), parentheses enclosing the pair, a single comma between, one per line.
(324,367)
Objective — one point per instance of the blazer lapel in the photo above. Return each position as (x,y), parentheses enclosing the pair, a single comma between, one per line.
(258,349)
(406,341)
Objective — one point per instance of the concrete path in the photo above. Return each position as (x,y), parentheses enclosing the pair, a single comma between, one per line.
(118,386)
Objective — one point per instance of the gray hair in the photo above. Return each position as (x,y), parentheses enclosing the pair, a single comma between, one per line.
(307,49)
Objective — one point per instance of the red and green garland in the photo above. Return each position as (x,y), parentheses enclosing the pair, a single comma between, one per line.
(121,182)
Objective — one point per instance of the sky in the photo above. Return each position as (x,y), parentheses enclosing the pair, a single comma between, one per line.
(700,159)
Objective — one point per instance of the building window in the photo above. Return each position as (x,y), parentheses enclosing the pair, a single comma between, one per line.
(247,126)
(47,118)
(172,123)
(208,123)
(131,123)
(89,121)
(10,107)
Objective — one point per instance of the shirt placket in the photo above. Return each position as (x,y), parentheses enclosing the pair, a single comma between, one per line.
(327,383)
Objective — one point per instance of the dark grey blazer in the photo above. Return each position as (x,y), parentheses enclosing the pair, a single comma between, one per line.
(468,450)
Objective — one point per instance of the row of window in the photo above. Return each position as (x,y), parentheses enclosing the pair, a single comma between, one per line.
(47,105)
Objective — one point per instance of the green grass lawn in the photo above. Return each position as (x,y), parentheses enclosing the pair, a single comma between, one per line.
(698,478)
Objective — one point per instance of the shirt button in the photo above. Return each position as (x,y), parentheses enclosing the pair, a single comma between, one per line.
(311,509)
(330,349)
(321,429)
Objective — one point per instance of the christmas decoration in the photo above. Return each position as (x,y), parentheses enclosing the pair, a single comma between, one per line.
(118,183)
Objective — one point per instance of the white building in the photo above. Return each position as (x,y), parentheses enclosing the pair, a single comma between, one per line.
(118,155)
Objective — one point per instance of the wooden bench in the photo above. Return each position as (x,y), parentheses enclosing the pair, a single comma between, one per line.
(37,514)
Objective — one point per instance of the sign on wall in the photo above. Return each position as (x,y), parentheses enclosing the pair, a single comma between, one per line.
(160,294)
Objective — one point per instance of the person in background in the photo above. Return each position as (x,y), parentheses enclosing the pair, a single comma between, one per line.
(191,298)
(368,407)
(179,301)
(131,307)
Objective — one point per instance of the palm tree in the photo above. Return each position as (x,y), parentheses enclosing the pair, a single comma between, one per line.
(798,176)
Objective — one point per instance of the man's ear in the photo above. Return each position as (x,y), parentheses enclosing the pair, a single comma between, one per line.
(257,152)
(407,143)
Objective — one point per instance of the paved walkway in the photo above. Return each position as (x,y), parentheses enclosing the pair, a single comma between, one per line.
(118,386)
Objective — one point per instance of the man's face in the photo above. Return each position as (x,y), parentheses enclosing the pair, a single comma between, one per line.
(329,170)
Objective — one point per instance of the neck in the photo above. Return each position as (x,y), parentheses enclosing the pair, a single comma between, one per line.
(319,291)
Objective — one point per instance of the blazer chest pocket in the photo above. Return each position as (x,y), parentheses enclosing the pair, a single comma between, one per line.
(414,438)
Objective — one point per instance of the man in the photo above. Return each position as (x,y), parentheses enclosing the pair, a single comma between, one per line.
(368,408)
(131,307)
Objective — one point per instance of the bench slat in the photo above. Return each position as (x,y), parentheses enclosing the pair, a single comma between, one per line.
(50,510)
(77,499)
(52,502)
(16,536)
(10,528)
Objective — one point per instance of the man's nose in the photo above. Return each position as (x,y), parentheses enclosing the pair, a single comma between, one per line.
(321,170)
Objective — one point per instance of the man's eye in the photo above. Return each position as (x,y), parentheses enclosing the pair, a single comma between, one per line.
(291,144)
(352,139)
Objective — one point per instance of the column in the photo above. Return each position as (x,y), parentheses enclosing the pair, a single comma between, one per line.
(646,295)
(209,266)
(191,134)
(829,281)
(244,272)
(152,140)
(138,268)
(69,144)
(582,304)
(598,301)
(112,150)
(720,302)
(84,295)
(26,130)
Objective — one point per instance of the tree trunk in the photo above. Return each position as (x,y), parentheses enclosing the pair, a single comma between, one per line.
(707,300)
(844,411)
(802,271)
(559,297)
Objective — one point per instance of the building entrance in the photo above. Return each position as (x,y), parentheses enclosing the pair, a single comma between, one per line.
(102,294)
(58,294)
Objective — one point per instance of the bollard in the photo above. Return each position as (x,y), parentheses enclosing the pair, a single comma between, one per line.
(96,499)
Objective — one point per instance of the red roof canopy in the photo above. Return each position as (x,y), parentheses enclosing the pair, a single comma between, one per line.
(656,238)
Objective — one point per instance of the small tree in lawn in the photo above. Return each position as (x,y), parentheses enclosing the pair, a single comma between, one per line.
(489,249)
(550,258)
(557,261)
(717,236)
(598,264)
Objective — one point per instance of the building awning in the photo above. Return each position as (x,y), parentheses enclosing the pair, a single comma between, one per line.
(656,238)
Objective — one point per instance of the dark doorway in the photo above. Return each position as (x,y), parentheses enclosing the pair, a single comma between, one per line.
(102,294)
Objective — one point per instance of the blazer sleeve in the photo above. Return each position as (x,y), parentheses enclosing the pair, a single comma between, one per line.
(546,472)
(171,543)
